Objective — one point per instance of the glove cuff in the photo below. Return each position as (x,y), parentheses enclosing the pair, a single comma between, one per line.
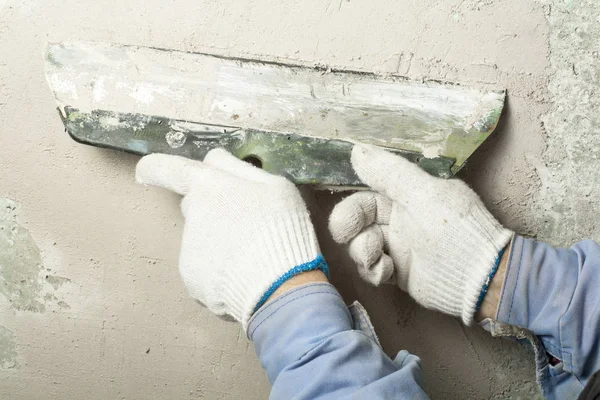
(456,287)
(484,252)
(316,264)
(286,246)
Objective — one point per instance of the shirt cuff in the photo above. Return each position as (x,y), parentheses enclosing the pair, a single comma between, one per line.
(289,326)
(510,298)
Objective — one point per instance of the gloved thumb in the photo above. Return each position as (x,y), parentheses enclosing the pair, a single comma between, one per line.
(225,161)
(170,172)
(387,173)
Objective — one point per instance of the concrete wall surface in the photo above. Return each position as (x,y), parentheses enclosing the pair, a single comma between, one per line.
(91,303)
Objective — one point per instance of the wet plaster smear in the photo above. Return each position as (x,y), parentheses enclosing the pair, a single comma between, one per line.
(91,303)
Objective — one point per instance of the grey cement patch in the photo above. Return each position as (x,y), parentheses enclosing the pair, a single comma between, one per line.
(8,352)
(56,281)
(22,275)
(20,262)
(568,208)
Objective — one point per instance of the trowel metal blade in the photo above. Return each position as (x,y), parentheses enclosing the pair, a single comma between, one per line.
(295,121)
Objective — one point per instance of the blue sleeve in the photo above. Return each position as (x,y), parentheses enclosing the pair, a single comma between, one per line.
(305,342)
(555,293)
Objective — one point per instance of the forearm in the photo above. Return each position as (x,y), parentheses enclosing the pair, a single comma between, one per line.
(305,341)
(555,294)
(489,306)
(315,276)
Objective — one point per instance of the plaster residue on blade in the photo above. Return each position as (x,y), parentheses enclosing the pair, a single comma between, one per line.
(429,117)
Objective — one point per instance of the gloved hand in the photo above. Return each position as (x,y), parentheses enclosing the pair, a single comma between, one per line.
(246,231)
(432,237)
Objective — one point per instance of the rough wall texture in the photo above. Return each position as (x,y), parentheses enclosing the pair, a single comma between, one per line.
(91,304)
(568,207)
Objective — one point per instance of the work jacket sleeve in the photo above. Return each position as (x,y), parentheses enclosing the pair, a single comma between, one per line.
(555,295)
(308,345)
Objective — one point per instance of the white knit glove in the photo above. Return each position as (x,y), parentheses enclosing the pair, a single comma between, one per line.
(432,237)
(246,231)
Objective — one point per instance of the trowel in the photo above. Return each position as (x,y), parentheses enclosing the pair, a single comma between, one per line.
(298,121)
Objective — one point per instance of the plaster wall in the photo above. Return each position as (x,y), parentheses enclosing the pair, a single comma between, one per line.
(91,303)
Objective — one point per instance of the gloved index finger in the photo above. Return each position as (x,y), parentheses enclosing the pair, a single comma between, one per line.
(170,172)
(357,212)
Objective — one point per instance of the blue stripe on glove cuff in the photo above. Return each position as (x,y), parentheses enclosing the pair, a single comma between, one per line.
(486,285)
(318,263)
